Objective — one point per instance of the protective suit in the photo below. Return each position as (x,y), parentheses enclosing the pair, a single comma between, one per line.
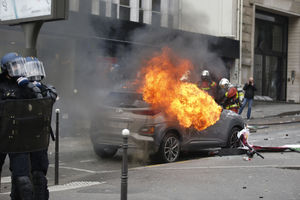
(231,100)
(207,84)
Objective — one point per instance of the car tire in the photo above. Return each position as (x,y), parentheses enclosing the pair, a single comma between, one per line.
(169,149)
(105,151)
(233,140)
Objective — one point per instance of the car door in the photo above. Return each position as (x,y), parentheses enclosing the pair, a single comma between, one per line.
(212,136)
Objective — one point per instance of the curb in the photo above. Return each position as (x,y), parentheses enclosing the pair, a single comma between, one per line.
(275,123)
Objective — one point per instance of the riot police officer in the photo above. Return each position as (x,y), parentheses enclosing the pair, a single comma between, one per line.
(13,85)
(39,159)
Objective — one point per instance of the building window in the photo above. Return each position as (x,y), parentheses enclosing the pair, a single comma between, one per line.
(156,5)
(124,13)
(102,8)
(74,5)
(95,7)
(173,13)
(141,16)
(156,18)
(124,2)
(114,10)
(124,10)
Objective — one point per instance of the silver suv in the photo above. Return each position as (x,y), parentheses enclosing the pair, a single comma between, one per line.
(151,132)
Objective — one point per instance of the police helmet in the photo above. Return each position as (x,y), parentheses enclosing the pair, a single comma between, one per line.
(224,83)
(13,64)
(34,69)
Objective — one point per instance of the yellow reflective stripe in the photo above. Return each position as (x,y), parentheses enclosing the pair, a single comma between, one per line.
(232,106)
(205,88)
(213,84)
(226,94)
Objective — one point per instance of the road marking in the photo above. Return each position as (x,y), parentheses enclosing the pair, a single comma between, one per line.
(76,169)
(5,179)
(216,167)
(70,186)
(85,161)
(73,185)
(86,170)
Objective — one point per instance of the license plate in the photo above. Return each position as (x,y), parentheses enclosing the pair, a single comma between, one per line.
(114,124)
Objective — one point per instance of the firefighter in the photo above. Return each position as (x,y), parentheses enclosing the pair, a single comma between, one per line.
(207,84)
(13,85)
(39,159)
(231,97)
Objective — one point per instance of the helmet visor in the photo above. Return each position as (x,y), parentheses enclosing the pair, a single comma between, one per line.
(15,68)
(35,70)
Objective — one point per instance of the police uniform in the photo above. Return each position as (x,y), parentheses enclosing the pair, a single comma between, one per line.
(19,162)
(39,159)
(36,101)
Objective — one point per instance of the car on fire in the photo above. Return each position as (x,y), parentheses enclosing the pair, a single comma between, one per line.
(152,132)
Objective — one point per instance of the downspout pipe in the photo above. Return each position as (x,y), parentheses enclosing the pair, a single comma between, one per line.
(241,3)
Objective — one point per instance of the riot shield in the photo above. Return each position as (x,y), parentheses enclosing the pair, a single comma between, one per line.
(25,125)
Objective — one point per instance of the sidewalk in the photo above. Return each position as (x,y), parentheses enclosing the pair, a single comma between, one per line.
(269,113)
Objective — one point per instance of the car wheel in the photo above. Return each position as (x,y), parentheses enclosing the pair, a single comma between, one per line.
(233,140)
(105,151)
(169,148)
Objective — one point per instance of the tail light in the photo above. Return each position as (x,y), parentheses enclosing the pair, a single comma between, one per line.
(146,112)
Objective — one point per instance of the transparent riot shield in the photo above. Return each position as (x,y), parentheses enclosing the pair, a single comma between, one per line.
(25,125)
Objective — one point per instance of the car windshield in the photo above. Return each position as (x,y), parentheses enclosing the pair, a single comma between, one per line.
(125,100)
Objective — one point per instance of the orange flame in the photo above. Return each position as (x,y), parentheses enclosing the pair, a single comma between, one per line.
(163,89)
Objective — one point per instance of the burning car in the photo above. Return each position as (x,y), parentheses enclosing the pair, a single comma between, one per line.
(152,132)
(165,114)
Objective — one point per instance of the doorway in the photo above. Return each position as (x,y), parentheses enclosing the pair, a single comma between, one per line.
(270,59)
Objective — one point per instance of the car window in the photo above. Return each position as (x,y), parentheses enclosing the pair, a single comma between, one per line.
(125,100)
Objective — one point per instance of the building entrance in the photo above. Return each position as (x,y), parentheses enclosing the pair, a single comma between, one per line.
(270,60)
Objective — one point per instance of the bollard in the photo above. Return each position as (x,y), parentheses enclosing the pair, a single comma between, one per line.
(124,177)
(56,148)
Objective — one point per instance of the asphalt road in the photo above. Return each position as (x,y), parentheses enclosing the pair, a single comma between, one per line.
(197,176)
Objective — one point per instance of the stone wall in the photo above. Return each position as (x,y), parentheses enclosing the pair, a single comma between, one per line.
(290,8)
(293,86)
(247,38)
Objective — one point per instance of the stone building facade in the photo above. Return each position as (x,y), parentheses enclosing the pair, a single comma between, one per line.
(270,47)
